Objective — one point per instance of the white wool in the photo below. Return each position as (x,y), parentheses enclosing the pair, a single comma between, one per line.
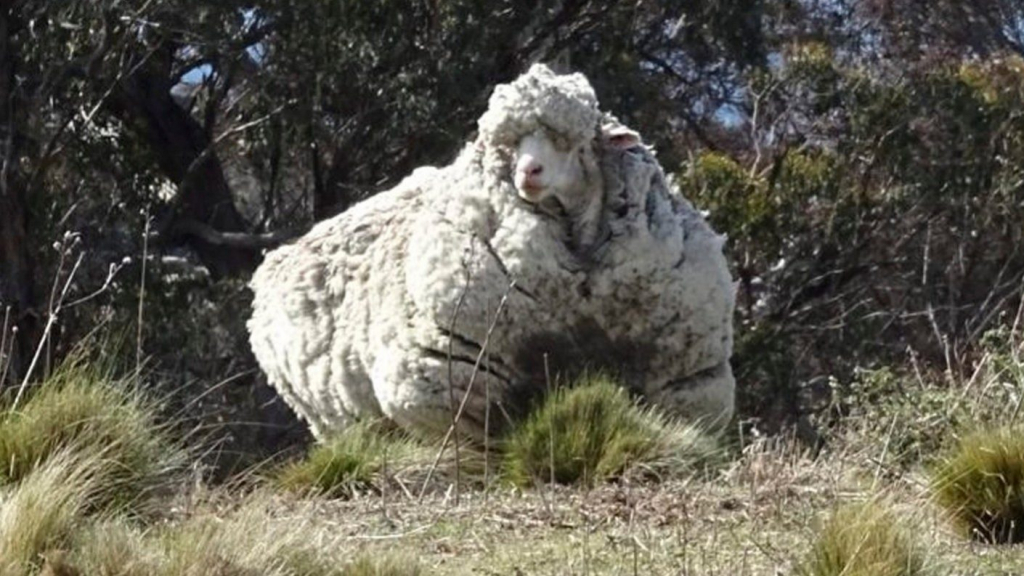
(355,319)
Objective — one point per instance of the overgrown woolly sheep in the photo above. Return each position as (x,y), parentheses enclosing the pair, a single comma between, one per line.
(555,217)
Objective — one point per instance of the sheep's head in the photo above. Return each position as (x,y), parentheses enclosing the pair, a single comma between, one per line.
(548,132)
(549,165)
(544,135)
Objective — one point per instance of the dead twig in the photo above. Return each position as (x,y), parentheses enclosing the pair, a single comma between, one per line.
(55,313)
(469,387)
(142,294)
(451,381)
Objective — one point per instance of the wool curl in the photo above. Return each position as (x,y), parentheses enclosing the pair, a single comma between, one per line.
(564,104)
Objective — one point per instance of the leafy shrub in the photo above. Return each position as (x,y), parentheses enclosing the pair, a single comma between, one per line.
(592,431)
(862,540)
(842,233)
(917,415)
(981,485)
(913,421)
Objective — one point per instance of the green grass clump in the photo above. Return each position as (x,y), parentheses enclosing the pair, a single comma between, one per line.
(81,408)
(863,540)
(347,462)
(592,431)
(981,484)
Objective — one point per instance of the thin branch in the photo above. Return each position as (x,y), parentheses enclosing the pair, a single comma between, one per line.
(55,313)
(193,167)
(142,293)
(451,381)
(469,386)
(246,240)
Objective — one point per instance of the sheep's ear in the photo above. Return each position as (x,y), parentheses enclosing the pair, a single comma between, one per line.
(620,137)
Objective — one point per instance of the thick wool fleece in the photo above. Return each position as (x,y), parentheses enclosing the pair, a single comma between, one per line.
(385,309)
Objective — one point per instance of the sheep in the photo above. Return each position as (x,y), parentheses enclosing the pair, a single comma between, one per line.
(543,245)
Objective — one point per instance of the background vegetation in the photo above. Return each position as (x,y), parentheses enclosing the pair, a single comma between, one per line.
(865,157)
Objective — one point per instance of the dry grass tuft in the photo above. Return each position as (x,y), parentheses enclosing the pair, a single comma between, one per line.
(39,515)
(863,539)
(259,537)
(113,547)
(381,566)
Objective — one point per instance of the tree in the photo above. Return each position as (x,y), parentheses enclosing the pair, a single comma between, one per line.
(16,269)
(236,124)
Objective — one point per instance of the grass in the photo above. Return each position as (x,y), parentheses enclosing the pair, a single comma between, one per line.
(348,462)
(246,541)
(592,431)
(863,539)
(981,485)
(256,538)
(746,515)
(386,566)
(109,547)
(82,408)
(42,512)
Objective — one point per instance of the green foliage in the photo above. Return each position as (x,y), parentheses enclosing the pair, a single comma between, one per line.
(981,485)
(347,462)
(846,197)
(727,190)
(83,408)
(911,420)
(763,210)
(863,539)
(592,431)
(914,417)
(1003,366)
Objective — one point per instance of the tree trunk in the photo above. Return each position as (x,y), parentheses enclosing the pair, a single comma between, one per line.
(181,148)
(17,296)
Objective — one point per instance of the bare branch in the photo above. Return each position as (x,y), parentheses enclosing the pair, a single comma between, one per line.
(244,240)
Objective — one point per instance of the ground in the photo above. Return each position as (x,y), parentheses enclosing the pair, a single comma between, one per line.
(757,516)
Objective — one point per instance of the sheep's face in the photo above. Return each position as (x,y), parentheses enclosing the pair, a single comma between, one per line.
(548,166)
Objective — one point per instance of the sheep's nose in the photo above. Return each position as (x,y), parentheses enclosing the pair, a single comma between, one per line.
(529,166)
(529,179)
